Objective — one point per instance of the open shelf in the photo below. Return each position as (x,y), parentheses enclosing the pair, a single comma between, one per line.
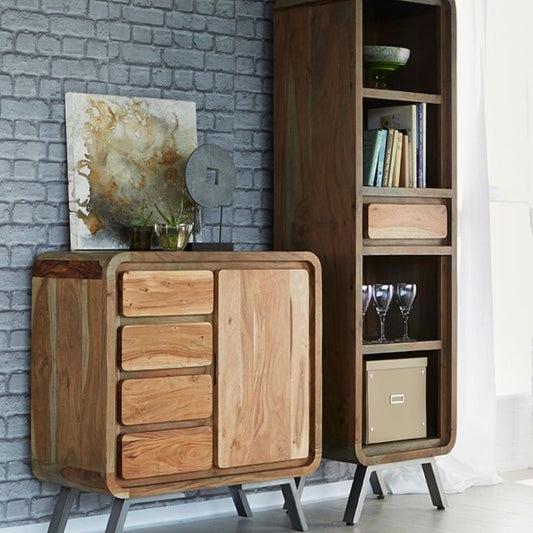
(400,347)
(405,192)
(401,96)
(410,25)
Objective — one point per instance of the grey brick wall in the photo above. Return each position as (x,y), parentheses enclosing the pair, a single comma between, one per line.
(215,52)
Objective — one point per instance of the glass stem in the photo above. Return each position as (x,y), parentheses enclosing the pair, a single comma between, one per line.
(382,328)
(405,317)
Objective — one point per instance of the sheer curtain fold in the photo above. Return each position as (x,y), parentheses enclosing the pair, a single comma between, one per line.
(472,462)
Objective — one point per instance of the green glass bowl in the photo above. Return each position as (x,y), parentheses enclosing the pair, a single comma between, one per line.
(380,61)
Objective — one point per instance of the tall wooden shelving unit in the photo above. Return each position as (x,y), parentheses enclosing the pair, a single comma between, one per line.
(320,108)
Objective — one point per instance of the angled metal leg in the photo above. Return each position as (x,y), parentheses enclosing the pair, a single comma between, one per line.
(241,501)
(354,507)
(64,502)
(294,506)
(300,482)
(438,496)
(378,485)
(119,511)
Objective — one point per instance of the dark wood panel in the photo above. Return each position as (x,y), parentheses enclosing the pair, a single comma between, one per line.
(67,269)
(314,168)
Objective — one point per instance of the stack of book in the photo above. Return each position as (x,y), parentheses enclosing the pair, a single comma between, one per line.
(394,147)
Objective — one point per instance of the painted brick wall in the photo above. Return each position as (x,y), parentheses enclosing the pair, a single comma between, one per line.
(215,52)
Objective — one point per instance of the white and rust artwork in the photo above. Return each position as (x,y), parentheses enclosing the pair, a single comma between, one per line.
(123,153)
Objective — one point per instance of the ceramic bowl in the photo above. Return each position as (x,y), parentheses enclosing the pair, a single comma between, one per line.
(393,55)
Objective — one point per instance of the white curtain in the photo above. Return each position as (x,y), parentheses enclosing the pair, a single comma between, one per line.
(472,462)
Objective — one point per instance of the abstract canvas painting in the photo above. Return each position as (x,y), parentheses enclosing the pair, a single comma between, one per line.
(123,153)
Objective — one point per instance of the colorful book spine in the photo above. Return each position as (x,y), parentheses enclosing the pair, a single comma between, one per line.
(398,161)
(388,153)
(370,155)
(390,175)
(420,145)
(381,158)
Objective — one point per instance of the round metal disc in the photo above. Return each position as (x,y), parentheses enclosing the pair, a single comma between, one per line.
(210,176)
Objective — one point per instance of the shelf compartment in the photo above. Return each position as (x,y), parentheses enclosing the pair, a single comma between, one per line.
(411,25)
(432,397)
(425,316)
(405,192)
(401,96)
(401,347)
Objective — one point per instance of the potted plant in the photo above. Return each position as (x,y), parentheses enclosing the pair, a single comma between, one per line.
(141,228)
(176,230)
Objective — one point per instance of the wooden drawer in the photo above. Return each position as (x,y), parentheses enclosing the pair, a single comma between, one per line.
(407,221)
(167,399)
(162,346)
(161,453)
(165,293)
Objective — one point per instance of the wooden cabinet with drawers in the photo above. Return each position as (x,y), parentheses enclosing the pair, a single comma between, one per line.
(157,372)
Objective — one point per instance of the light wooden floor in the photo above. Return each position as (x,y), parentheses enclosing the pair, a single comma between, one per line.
(505,508)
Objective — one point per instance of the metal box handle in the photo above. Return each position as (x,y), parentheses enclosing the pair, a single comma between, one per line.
(397,398)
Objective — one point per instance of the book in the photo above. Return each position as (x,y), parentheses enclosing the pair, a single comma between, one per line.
(400,117)
(398,161)
(421,145)
(381,158)
(388,153)
(394,149)
(371,139)
(404,171)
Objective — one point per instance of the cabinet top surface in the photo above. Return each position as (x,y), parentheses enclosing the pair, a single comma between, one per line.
(98,264)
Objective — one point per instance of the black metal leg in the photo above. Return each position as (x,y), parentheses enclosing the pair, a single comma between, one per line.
(117,518)
(354,507)
(377,484)
(241,501)
(294,506)
(64,502)
(300,482)
(431,473)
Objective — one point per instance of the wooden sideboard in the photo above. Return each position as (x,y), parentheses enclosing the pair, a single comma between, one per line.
(160,372)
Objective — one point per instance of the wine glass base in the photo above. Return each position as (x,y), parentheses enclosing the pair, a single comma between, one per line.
(379,341)
(405,339)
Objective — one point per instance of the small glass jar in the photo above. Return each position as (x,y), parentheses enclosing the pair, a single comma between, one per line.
(173,238)
(141,237)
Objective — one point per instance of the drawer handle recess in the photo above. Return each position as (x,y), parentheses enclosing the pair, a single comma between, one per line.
(397,398)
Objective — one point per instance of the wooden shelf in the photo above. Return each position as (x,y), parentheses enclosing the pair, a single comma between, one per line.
(401,347)
(407,250)
(401,96)
(389,448)
(404,192)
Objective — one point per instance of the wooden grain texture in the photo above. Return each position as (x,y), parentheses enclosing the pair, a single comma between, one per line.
(102,368)
(320,105)
(167,399)
(167,293)
(68,269)
(407,221)
(263,367)
(68,374)
(160,453)
(163,346)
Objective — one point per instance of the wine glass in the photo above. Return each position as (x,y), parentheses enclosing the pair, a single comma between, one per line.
(382,296)
(367,296)
(405,294)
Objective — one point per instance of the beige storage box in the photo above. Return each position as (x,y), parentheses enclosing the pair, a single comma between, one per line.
(395,399)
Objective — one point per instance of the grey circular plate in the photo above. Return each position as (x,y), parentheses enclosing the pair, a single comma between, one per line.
(210,176)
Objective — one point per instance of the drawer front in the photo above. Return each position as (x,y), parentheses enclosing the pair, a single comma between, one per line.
(162,346)
(162,453)
(410,221)
(165,293)
(168,399)
(395,404)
